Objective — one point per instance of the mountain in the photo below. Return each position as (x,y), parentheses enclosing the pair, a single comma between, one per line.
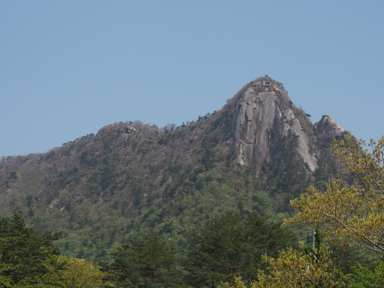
(255,154)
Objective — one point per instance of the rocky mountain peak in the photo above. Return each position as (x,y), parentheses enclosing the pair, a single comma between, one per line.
(264,106)
(327,128)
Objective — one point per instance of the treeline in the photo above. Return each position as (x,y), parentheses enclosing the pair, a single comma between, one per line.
(216,254)
(226,247)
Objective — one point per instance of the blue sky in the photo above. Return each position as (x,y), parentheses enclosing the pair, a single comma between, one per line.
(68,68)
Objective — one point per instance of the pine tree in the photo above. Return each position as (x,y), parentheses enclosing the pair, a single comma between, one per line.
(23,252)
(227,246)
(148,259)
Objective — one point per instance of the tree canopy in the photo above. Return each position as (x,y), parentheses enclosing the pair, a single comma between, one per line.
(296,269)
(149,258)
(364,277)
(23,252)
(226,246)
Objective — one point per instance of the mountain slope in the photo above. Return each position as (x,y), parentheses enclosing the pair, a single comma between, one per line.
(256,153)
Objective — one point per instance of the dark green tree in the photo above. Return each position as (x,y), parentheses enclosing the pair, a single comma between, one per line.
(23,252)
(228,246)
(365,277)
(148,259)
(347,256)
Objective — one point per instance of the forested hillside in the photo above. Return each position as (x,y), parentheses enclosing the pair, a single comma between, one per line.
(106,189)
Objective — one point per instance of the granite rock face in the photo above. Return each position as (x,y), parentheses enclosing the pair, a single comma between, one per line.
(325,131)
(255,117)
(327,128)
(303,143)
(261,108)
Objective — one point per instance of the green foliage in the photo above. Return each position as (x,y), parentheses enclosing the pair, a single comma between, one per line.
(149,258)
(23,252)
(315,252)
(347,256)
(364,277)
(227,244)
(349,213)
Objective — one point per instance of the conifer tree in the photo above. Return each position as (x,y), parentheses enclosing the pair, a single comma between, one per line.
(364,277)
(226,246)
(148,259)
(23,252)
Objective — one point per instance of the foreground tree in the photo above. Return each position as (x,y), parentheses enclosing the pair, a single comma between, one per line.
(364,277)
(73,272)
(350,213)
(296,269)
(293,268)
(227,246)
(80,273)
(24,254)
(50,279)
(148,259)
(346,257)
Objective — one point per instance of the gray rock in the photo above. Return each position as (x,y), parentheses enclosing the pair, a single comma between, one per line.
(256,115)
(254,118)
(327,128)
(303,147)
(289,114)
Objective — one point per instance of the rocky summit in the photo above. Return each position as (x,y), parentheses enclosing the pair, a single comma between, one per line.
(263,106)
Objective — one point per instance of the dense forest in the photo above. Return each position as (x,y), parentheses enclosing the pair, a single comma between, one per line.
(221,250)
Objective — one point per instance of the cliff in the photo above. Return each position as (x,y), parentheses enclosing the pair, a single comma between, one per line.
(259,108)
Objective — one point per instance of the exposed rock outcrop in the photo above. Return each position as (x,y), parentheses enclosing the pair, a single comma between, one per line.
(327,128)
(259,108)
(303,143)
(255,117)
(115,129)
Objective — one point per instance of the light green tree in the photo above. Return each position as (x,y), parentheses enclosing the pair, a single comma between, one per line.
(296,269)
(349,213)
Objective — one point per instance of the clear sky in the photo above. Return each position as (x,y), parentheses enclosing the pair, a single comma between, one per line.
(68,68)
